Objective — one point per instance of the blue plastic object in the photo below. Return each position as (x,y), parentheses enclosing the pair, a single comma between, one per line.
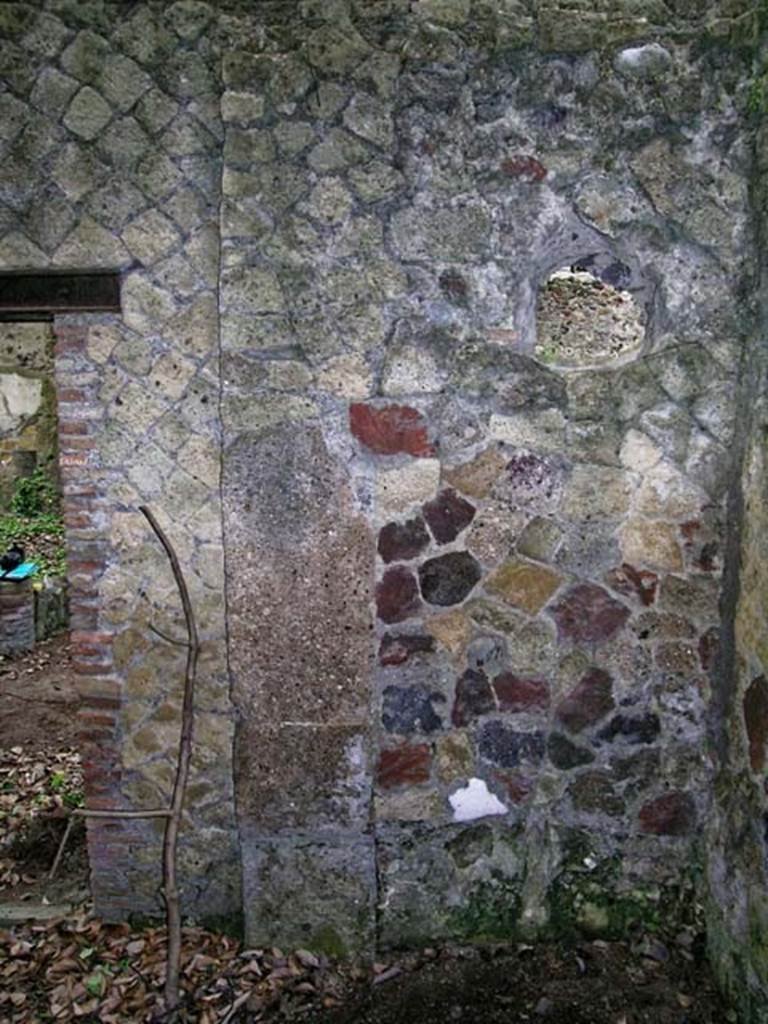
(20,572)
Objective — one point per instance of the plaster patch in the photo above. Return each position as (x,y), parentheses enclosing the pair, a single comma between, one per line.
(475,801)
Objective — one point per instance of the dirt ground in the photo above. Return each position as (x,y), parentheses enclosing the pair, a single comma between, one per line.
(590,983)
(77,968)
(38,700)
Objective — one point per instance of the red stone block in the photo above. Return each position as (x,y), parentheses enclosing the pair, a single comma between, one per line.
(85,568)
(526,167)
(402,541)
(637,583)
(74,426)
(588,614)
(589,701)
(397,595)
(516,694)
(756,721)
(91,637)
(95,735)
(390,430)
(85,650)
(404,765)
(78,444)
(78,486)
(673,814)
(83,617)
(72,395)
(70,343)
(517,787)
(78,520)
(448,514)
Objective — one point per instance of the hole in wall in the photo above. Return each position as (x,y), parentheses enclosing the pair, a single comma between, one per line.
(587,317)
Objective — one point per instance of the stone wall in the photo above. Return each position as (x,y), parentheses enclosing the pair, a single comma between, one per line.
(28,427)
(548,544)
(737,873)
(459,668)
(110,152)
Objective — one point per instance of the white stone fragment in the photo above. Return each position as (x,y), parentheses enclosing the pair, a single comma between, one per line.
(475,801)
(643,61)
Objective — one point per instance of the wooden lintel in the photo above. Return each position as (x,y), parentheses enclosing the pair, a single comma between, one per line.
(40,292)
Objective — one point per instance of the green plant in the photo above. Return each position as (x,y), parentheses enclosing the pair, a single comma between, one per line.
(60,782)
(35,495)
(74,798)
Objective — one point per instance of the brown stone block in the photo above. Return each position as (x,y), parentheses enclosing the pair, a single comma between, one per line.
(301,776)
(524,585)
(476,478)
(404,765)
(300,580)
(589,701)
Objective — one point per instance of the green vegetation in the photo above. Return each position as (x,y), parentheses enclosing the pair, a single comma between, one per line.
(757,97)
(35,523)
(490,914)
(61,784)
(35,495)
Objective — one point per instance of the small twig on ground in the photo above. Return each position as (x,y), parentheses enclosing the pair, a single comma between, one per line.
(60,851)
(241,999)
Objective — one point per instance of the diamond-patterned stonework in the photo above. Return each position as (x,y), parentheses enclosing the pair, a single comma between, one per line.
(88,114)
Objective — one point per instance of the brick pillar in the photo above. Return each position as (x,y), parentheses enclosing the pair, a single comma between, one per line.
(99,688)
(17,616)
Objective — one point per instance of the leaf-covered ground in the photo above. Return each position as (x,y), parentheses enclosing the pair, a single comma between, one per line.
(80,969)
